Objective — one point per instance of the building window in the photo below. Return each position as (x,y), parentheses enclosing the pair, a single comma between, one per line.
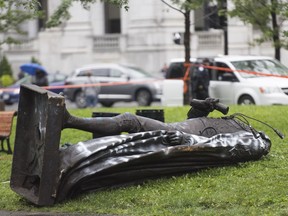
(207,17)
(112,19)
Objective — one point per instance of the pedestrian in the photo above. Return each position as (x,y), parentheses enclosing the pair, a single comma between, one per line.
(200,81)
(21,75)
(91,91)
(164,70)
(40,78)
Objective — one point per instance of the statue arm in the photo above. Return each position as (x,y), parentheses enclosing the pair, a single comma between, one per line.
(181,138)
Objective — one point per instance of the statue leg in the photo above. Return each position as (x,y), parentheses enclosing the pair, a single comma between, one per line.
(125,122)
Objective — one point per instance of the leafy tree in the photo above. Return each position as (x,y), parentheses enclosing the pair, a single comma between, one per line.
(185,7)
(12,14)
(34,60)
(62,12)
(6,78)
(267,16)
(5,67)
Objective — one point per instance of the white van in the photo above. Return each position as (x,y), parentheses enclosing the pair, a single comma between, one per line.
(248,80)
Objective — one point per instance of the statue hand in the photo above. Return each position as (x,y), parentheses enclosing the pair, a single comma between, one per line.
(174,137)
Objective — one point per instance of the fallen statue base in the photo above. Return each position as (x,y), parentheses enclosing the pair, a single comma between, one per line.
(35,168)
(108,161)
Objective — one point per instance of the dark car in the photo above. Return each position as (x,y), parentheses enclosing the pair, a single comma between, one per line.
(10,95)
(118,83)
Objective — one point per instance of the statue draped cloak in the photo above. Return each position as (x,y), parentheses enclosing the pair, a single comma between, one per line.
(131,158)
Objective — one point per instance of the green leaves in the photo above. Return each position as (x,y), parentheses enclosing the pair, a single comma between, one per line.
(185,5)
(265,16)
(6,77)
(14,13)
(62,13)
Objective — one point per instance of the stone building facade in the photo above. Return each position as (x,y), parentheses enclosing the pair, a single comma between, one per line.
(141,36)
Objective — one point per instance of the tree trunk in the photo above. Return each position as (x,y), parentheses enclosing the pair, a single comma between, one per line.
(275,27)
(187,36)
(223,24)
(187,57)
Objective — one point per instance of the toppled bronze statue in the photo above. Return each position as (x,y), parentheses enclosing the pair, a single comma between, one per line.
(45,174)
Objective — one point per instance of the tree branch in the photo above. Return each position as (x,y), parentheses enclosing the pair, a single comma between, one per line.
(174,8)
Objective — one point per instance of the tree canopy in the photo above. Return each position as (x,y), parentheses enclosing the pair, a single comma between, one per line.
(62,12)
(266,15)
(12,14)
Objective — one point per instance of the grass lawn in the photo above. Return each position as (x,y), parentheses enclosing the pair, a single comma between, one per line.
(252,188)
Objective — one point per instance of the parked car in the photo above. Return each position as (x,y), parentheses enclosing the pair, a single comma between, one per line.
(118,83)
(234,81)
(176,68)
(11,94)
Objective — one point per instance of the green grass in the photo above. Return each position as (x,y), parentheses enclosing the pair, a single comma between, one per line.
(252,188)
